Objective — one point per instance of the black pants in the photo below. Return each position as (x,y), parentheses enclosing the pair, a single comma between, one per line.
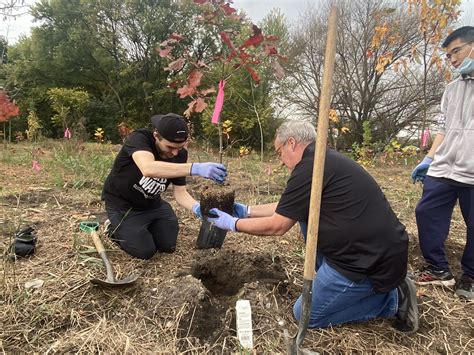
(143,233)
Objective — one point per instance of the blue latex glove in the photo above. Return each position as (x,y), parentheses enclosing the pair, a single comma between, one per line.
(419,173)
(241,210)
(223,220)
(213,171)
(197,210)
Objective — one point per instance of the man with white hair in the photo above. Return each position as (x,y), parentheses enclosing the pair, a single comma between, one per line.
(362,248)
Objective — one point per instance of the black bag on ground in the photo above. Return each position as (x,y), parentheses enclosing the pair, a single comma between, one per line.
(24,243)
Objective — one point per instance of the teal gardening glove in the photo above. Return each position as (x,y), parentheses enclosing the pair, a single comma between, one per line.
(419,173)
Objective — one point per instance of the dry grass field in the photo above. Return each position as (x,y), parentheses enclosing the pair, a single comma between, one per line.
(183,302)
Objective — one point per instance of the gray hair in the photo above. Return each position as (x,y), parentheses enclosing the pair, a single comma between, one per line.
(301,131)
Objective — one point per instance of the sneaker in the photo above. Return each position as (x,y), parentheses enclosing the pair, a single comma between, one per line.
(407,316)
(107,230)
(431,276)
(465,288)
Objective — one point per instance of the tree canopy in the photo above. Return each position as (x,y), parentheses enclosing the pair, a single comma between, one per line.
(135,58)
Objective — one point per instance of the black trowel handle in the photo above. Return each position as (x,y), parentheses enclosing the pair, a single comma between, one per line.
(101,250)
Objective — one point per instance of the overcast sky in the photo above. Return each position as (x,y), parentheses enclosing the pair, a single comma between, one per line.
(256,9)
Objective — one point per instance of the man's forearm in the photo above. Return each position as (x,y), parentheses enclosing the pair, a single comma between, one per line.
(436,143)
(263,210)
(259,226)
(183,198)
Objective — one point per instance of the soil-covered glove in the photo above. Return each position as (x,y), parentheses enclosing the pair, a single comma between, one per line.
(223,220)
(197,210)
(241,210)
(213,171)
(419,173)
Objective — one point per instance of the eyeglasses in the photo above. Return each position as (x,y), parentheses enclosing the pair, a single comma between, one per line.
(278,150)
(456,51)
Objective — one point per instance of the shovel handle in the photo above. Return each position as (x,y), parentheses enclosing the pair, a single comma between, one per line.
(101,250)
(321,146)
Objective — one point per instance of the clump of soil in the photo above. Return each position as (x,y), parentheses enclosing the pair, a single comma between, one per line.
(217,196)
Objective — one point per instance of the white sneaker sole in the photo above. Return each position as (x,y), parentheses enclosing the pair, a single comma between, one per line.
(445,283)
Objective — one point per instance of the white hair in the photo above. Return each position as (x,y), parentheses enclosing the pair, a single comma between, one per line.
(301,131)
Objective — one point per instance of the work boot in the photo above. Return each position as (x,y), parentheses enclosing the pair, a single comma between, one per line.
(407,315)
(465,288)
(431,276)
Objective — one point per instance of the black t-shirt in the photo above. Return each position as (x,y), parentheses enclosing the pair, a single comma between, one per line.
(126,187)
(359,234)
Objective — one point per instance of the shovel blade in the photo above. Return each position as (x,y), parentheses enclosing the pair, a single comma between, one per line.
(126,281)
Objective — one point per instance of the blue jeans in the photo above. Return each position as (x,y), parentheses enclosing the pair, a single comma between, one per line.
(338,300)
(433,218)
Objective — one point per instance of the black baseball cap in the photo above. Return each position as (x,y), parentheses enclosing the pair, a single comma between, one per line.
(171,127)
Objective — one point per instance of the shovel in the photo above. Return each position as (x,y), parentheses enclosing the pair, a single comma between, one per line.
(110,281)
(316,187)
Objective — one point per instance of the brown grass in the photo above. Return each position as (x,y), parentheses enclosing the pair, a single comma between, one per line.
(69,314)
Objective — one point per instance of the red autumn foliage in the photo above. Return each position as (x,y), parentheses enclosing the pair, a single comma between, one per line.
(227,9)
(239,53)
(176,36)
(270,50)
(226,39)
(200,105)
(253,41)
(197,105)
(253,74)
(207,91)
(194,78)
(271,38)
(8,109)
(176,65)
(186,91)
(165,52)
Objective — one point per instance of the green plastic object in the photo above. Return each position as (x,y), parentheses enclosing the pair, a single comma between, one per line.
(89,226)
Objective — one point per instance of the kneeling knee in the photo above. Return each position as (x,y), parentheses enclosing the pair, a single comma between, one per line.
(168,250)
(142,254)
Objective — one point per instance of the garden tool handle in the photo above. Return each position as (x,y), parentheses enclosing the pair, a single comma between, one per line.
(317,181)
(320,150)
(101,250)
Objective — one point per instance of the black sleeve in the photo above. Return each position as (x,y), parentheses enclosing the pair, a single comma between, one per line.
(294,202)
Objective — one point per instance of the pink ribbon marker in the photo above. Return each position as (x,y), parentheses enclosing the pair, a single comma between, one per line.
(36,166)
(219,103)
(67,133)
(425,137)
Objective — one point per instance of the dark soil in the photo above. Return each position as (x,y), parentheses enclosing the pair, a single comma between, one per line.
(217,196)
(216,282)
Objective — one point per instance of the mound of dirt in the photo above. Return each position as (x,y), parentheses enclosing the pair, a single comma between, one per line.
(204,300)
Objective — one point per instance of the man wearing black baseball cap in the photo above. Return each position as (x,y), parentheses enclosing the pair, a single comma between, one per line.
(141,222)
